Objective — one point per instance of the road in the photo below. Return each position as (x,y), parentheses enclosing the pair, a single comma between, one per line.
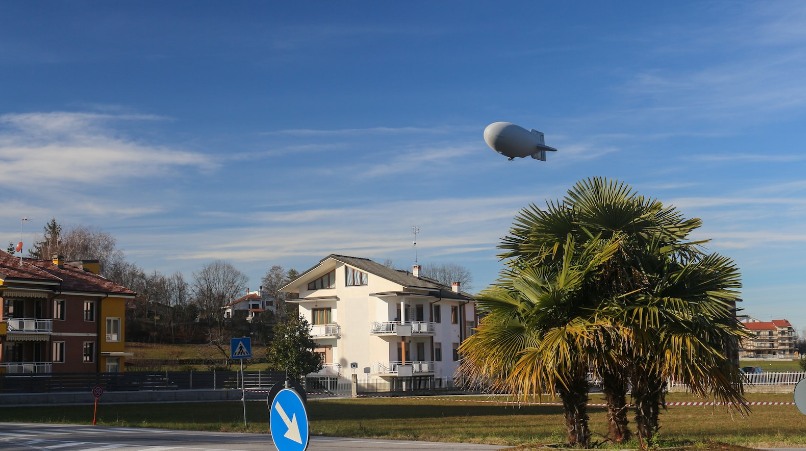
(50,437)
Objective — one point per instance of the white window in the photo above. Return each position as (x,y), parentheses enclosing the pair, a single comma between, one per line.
(437,317)
(58,352)
(59,309)
(89,310)
(326,281)
(113,329)
(89,351)
(354,277)
(113,364)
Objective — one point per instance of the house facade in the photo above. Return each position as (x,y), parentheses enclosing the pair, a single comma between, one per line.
(771,339)
(60,317)
(252,305)
(383,324)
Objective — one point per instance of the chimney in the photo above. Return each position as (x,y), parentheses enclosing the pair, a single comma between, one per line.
(416,270)
(58,260)
(455,287)
(260,291)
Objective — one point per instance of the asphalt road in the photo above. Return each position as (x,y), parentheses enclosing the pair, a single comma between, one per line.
(27,437)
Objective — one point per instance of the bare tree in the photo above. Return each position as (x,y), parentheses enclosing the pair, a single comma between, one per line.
(78,243)
(276,278)
(214,285)
(447,273)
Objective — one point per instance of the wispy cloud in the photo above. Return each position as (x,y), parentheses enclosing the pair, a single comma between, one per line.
(373,131)
(373,229)
(81,148)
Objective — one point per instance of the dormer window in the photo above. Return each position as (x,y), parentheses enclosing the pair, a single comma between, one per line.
(326,281)
(354,277)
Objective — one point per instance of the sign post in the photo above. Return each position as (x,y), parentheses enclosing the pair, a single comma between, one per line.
(241,348)
(289,422)
(98,391)
(800,396)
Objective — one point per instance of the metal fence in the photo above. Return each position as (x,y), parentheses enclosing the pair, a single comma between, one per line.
(138,381)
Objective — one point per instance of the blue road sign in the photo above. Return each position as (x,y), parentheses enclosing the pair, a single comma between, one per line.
(289,422)
(240,348)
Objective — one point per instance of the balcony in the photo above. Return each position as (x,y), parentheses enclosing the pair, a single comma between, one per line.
(420,368)
(325,331)
(30,326)
(390,328)
(26,368)
(328,369)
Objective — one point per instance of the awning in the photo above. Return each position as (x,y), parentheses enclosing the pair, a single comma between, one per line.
(23,294)
(319,299)
(11,336)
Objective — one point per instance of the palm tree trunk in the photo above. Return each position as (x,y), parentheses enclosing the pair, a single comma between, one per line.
(614,387)
(649,394)
(575,404)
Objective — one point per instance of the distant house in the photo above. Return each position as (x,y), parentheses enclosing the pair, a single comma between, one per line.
(381,323)
(60,317)
(771,339)
(252,305)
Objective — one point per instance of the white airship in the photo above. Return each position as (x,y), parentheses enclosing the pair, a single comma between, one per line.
(513,141)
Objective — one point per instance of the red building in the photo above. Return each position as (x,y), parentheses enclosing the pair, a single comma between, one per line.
(60,317)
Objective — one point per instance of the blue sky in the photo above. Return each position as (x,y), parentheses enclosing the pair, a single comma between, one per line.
(266,133)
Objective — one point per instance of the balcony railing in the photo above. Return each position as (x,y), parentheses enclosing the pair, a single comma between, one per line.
(26,368)
(325,331)
(328,369)
(418,367)
(30,325)
(390,327)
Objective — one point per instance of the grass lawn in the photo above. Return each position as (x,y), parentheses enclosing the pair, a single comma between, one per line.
(448,419)
(161,351)
(775,365)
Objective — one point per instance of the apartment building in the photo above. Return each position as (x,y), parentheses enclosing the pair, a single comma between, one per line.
(382,323)
(771,339)
(60,317)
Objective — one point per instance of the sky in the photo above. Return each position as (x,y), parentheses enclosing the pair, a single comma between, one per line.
(276,133)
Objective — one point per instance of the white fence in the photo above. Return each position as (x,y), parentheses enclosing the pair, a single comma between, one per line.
(30,325)
(790,378)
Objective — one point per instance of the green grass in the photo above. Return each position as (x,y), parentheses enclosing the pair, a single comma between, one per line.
(775,365)
(446,419)
(164,351)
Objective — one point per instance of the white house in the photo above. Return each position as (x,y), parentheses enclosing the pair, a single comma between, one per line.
(254,304)
(382,323)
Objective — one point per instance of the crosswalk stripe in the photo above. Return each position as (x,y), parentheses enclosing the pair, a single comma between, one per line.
(65,444)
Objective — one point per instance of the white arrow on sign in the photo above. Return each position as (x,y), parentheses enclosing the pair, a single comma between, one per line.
(293,428)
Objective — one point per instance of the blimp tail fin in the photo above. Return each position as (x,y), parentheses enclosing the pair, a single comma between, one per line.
(539,155)
(540,138)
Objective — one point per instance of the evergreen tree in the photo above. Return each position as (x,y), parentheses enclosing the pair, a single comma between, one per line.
(49,243)
(291,350)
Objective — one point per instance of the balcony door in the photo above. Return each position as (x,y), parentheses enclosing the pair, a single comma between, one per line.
(325,352)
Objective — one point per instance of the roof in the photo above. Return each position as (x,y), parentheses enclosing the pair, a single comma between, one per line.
(760,325)
(249,297)
(400,277)
(67,278)
(767,325)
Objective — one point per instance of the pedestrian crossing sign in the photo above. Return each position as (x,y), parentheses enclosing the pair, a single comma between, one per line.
(240,348)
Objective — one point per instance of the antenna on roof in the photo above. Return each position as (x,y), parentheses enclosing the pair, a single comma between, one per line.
(415,230)
(19,245)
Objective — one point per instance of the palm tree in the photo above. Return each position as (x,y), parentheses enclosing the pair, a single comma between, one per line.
(537,336)
(662,306)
